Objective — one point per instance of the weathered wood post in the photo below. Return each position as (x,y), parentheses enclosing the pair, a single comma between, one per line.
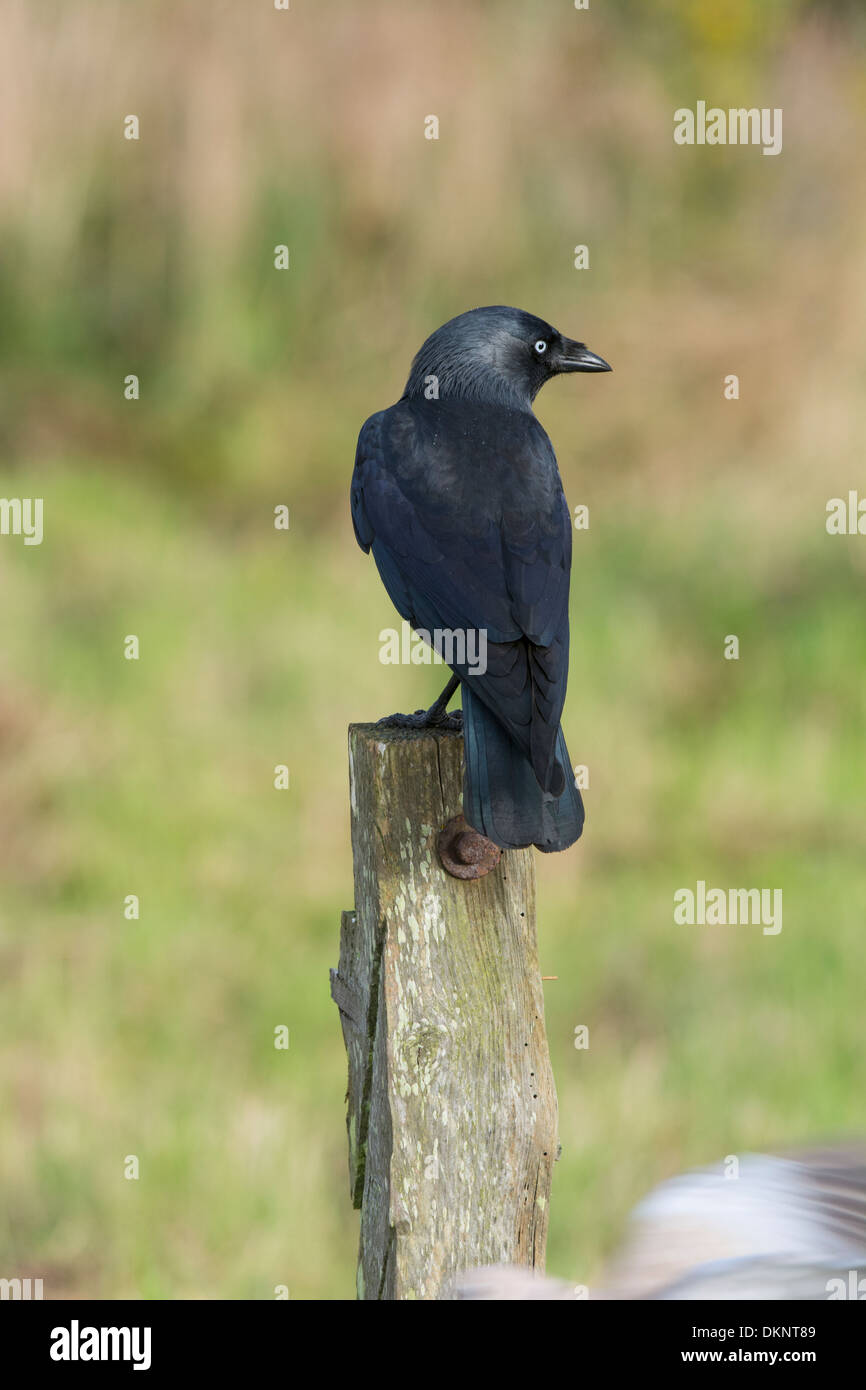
(452,1109)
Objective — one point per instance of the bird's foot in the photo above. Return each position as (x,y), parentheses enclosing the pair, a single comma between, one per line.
(423,719)
(452,720)
(417,720)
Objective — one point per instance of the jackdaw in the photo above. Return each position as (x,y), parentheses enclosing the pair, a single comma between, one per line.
(457,493)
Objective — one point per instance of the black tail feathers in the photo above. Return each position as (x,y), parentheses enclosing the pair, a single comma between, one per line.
(502,798)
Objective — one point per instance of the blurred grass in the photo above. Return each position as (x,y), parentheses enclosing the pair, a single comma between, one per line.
(258,647)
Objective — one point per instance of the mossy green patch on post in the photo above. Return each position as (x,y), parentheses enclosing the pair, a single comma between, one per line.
(462,1120)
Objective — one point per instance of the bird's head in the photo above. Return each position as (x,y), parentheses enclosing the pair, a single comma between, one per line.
(496,354)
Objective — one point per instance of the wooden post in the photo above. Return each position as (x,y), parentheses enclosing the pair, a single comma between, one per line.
(452,1109)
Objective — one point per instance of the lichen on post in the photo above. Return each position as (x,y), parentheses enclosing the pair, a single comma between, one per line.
(451,1109)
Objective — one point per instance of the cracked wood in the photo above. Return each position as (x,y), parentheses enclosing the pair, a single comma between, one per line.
(451,1104)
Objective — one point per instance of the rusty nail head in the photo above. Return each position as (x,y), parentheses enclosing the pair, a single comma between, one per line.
(464,853)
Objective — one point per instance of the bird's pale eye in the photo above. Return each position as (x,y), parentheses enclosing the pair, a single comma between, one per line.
(541,346)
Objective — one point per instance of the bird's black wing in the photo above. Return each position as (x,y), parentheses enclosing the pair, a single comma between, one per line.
(464,512)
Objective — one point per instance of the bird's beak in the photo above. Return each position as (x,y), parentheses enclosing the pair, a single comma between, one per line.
(576,357)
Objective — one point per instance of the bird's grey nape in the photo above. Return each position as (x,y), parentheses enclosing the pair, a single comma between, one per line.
(482,355)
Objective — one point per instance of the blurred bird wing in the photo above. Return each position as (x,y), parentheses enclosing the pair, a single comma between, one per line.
(784,1228)
(757,1278)
(785,1221)
(509,1283)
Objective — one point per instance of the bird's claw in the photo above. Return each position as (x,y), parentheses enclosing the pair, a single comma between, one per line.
(403,721)
(452,720)
(423,719)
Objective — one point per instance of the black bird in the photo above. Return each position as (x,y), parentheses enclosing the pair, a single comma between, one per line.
(457,493)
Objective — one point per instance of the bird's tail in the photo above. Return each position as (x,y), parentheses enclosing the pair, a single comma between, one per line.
(501,795)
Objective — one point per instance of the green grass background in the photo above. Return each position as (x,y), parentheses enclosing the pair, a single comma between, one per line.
(258,647)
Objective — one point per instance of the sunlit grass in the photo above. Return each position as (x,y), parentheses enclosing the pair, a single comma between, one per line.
(154,777)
